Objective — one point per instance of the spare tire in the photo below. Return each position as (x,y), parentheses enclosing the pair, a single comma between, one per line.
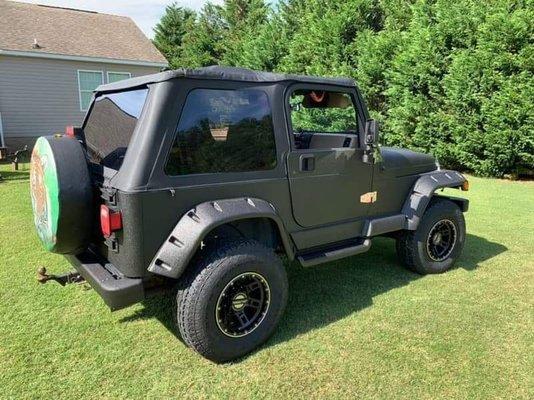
(62,195)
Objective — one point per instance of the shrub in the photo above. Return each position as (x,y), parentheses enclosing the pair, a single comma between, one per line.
(451,78)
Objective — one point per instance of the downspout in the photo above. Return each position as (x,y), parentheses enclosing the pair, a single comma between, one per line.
(2,142)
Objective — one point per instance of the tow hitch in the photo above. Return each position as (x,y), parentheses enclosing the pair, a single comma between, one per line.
(69,277)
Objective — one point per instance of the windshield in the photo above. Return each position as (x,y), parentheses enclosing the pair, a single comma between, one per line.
(110,125)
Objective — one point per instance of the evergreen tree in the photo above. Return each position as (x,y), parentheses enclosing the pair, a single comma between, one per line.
(171,29)
(203,43)
(243,21)
(451,78)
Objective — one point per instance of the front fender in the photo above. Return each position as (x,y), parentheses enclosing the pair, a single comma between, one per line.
(423,190)
(174,255)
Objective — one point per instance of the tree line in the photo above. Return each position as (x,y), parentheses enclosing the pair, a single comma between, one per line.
(454,78)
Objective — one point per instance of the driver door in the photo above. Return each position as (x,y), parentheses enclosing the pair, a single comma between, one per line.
(326,174)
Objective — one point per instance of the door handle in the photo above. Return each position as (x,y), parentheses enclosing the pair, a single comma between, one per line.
(307,162)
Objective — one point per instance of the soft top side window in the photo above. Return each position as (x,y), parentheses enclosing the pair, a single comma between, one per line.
(110,124)
(322,119)
(223,131)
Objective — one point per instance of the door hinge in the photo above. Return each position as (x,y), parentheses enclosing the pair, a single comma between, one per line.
(369,197)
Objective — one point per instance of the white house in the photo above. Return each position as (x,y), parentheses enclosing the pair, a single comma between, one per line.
(52,58)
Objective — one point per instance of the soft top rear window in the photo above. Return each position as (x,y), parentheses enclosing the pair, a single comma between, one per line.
(110,124)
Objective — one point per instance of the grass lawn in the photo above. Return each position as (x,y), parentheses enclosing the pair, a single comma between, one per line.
(357,328)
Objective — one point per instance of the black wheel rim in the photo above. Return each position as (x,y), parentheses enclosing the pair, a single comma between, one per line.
(243,304)
(441,240)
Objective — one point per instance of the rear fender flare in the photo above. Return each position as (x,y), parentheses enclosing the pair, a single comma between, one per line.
(415,205)
(176,252)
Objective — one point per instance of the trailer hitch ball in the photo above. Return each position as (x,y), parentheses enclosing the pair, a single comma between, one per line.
(42,277)
(69,277)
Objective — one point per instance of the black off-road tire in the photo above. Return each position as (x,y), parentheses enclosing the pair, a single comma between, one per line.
(414,247)
(203,287)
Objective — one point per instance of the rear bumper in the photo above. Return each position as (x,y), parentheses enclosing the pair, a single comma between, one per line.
(116,290)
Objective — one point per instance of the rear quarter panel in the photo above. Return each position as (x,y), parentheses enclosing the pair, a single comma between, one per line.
(163,209)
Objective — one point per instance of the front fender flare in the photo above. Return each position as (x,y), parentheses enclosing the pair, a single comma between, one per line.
(174,255)
(423,190)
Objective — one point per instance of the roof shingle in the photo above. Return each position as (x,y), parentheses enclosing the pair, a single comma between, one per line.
(73,33)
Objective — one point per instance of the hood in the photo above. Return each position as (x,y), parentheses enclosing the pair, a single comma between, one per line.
(401,162)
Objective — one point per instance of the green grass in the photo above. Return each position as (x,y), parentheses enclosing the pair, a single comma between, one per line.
(358,328)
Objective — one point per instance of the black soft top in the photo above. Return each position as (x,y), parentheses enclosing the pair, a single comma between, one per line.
(222,73)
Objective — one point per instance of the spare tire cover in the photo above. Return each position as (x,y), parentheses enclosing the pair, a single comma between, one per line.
(61,192)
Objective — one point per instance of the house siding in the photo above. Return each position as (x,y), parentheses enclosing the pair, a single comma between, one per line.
(40,97)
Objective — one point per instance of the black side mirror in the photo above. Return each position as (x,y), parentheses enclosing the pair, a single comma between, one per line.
(371,141)
(371,132)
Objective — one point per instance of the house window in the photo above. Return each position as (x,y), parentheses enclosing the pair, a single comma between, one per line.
(88,81)
(118,76)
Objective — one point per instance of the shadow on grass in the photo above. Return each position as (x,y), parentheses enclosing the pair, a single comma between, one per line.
(20,175)
(327,293)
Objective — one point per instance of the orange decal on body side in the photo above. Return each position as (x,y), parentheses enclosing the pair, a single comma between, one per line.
(369,197)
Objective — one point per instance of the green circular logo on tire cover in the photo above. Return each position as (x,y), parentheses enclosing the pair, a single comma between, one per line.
(44,188)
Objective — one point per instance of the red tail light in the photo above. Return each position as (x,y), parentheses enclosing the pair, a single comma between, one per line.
(110,221)
(73,131)
(69,131)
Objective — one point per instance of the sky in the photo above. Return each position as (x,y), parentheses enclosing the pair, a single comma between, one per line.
(145,13)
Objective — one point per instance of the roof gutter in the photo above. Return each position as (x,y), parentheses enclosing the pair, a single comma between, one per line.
(54,56)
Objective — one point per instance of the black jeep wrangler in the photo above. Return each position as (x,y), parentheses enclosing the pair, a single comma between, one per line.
(200,179)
